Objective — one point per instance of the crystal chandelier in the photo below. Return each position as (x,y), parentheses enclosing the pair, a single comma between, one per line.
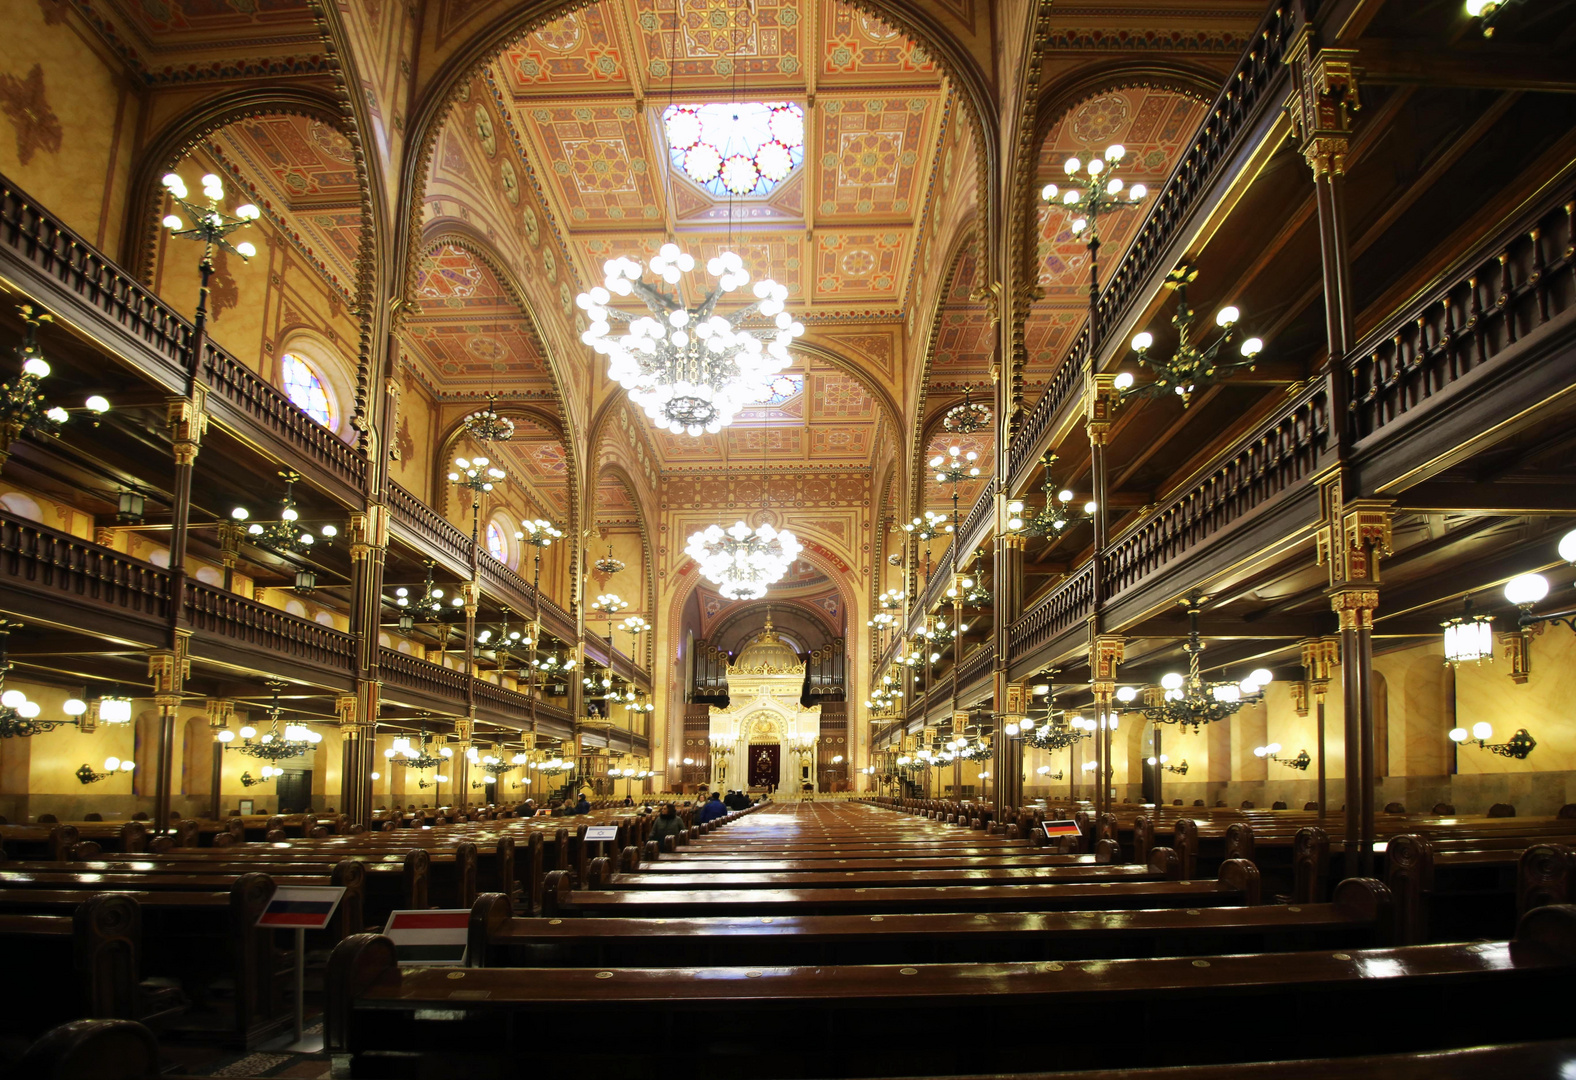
(1191,366)
(966,418)
(487,426)
(416,757)
(690,368)
(1191,700)
(742,561)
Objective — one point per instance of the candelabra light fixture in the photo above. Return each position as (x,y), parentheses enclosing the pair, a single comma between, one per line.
(419,756)
(691,368)
(479,476)
(287,533)
(273,745)
(209,226)
(23,406)
(742,562)
(1518,746)
(113,766)
(1526,591)
(1190,699)
(1058,514)
(538,533)
(967,417)
(607,565)
(431,604)
(1272,751)
(1191,366)
(486,425)
(1094,189)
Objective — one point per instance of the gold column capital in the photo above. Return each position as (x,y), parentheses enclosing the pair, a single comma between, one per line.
(220,711)
(1355,606)
(1101,398)
(369,531)
(187,419)
(1324,96)
(1106,652)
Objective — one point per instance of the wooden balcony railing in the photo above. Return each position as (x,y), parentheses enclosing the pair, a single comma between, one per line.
(60,568)
(247,622)
(268,410)
(1521,280)
(1063,608)
(1252,89)
(1285,452)
(429,529)
(129,318)
(402,670)
(977,663)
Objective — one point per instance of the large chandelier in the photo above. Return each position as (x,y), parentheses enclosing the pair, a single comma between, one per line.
(1191,366)
(487,425)
(967,417)
(690,368)
(273,745)
(742,561)
(1191,700)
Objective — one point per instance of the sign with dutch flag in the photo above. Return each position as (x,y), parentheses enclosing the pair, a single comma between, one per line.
(429,938)
(301,907)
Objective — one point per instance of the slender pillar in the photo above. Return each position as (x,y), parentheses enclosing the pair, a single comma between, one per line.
(1319,657)
(1159,768)
(1105,656)
(219,711)
(368,532)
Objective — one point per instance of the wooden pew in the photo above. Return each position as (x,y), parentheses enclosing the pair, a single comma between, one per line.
(92,951)
(473,1023)
(1459,894)
(1359,917)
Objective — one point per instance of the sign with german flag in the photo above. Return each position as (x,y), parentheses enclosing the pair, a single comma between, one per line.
(429,938)
(301,907)
(1055,829)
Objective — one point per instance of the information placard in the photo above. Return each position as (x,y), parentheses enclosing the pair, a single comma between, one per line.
(1056,829)
(301,907)
(602,832)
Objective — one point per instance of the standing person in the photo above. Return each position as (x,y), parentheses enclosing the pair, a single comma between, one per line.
(713,808)
(583,806)
(668,823)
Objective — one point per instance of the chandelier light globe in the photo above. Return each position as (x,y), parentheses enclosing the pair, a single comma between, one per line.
(1567,547)
(690,368)
(742,561)
(1524,590)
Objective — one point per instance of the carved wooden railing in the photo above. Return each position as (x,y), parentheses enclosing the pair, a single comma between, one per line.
(1064,607)
(1252,88)
(597,649)
(984,509)
(1518,281)
(976,663)
(54,253)
(1286,451)
(427,525)
(228,615)
(149,334)
(64,568)
(400,669)
(271,411)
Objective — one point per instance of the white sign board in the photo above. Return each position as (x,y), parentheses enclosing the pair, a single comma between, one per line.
(602,832)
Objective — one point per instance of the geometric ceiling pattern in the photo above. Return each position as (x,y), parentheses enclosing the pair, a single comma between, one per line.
(302,174)
(536,467)
(585,96)
(469,336)
(1154,126)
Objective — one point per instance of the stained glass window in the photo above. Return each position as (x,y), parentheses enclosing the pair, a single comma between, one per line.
(497,545)
(779,390)
(743,148)
(305,388)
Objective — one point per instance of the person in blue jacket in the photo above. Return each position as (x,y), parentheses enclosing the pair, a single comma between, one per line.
(713,808)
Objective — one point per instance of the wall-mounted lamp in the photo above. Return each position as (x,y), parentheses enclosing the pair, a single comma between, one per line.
(1300,762)
(1044,772)
(112,766)
(130,507)
(1518,746)
(268,771)
(1180,770)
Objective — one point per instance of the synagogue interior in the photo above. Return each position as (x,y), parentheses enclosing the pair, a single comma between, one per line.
(836,519)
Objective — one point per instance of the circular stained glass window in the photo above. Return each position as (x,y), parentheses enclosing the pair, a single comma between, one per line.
(736,149)
(497,545)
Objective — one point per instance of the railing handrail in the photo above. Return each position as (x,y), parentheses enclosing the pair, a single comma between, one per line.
(1231,113)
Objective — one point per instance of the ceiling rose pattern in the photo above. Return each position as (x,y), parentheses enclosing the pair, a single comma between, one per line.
(856,46)
(694,41)
(597,154)
(873,151)
(856,265)
(579,51)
